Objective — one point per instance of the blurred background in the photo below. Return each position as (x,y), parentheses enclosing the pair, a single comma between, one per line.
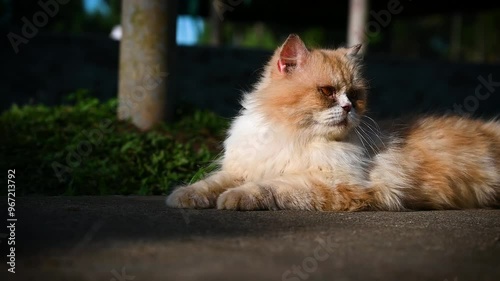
(78,46)
(447,31)
(70,65)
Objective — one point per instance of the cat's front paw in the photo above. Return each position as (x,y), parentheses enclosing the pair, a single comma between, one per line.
(191,197)
(244,198)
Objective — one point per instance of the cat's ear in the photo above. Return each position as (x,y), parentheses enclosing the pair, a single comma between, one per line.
(293,54)
(354,50)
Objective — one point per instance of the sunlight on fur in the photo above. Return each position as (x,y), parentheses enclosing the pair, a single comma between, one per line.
(302,141)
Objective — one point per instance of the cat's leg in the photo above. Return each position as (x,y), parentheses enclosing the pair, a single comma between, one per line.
(297,192)
(203,194)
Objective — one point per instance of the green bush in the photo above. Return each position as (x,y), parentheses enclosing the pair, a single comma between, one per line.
(82,149)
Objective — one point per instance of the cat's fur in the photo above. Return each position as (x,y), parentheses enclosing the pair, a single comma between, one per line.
(298,144)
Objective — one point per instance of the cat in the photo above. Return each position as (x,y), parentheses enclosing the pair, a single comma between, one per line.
(297,144)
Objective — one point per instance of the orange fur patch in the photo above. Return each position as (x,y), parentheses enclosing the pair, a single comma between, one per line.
(443,178)
(343,197)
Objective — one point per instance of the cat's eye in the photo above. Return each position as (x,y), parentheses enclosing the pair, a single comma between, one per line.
(328,91)
(353,95)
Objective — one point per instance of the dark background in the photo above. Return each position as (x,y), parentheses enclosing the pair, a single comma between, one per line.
(426,58)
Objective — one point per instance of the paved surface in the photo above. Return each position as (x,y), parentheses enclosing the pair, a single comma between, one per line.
(138,238)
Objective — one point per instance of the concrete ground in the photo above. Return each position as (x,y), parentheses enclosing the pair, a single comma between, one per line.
(121,238)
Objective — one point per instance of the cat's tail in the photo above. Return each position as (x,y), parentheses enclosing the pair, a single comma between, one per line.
(441,163)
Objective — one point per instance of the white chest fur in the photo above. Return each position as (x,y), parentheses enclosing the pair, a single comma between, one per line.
(258,150)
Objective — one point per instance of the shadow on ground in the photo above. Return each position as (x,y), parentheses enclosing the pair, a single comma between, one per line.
(137,238)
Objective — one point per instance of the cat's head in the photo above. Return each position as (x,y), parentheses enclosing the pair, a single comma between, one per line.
(320,92)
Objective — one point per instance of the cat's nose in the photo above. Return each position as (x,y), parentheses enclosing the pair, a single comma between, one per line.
(347,107)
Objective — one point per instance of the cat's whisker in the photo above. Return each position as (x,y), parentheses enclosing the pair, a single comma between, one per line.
(374,122)
(369,140)
(375,127)
(361,138)
(377,134)
(367,135)
(362,143)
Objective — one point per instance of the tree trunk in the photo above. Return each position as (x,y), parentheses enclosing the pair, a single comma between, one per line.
(146,53)
(456,37)
(358,14)
(215,24)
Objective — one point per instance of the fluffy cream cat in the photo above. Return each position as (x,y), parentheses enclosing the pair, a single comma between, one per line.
(297,144)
